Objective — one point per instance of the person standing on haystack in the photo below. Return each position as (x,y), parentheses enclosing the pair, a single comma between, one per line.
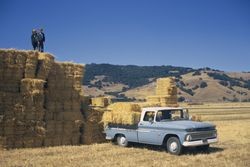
(41,37)
(34,39)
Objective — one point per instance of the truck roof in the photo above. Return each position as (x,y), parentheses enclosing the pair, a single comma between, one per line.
(161,108)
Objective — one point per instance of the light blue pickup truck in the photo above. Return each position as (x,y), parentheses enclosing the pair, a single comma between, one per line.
(166,126)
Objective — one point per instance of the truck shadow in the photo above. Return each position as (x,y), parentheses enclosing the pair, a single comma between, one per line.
(186,151)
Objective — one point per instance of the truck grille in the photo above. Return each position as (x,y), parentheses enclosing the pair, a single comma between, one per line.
(203,135)
(205,129)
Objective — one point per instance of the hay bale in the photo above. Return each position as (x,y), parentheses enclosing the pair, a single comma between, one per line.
(93,127)
(72,116)
(31,65)
(166,86)
(124,107)
(130,118)
(149,104)
(122,113)
(100,101)
(45,63)
(32,86)
(153,99)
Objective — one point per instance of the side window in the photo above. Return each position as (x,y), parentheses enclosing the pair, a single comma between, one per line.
(149,116)
(159,116)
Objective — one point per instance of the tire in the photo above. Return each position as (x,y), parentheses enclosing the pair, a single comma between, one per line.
(122,141)
(174,146)
(203,148)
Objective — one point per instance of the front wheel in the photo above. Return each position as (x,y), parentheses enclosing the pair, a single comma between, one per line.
(122,141)
(174,146)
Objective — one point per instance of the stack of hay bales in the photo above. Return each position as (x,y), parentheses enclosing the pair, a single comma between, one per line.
(63,103)
(122,113)
(21,100)
(32,91)
(40,100)
(166,93)
(93,126)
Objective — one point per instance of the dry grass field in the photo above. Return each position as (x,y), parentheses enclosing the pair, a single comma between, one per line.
(232,120)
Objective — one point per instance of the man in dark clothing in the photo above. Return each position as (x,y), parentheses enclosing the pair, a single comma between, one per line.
(41,37)
(34,39)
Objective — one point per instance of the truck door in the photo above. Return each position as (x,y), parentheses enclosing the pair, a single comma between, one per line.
(147,129)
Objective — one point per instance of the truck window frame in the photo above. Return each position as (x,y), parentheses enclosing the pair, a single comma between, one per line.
(170,110)
(146,114)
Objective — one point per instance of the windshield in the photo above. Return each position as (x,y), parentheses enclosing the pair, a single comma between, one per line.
(168,115)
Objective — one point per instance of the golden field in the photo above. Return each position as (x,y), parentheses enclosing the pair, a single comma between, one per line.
(232,120)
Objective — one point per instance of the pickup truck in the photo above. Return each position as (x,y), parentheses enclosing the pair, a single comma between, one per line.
(166,126)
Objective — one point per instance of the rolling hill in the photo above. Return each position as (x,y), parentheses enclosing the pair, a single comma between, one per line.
(194,85)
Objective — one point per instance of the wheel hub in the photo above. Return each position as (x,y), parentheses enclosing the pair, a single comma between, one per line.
(173,146)
(123,140)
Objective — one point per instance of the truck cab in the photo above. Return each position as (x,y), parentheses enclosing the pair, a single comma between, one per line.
(166,126)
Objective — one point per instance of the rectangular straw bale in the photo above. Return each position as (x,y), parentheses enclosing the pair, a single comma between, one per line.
(76,106)
(149,104)
(31,65)
(49,115)
(34,116)
(107,118)
(130,118)
(50,106)
(18,143)
(9,57)
(166,86)
(75,139)
(58,116)
(28,142)
(45,63)
(70,116)
(100,101)
(48,141)
(32,85)
(153,99)
(13,87)
(38,142)
(66,140)
(21,59)
(124,107)
(67,105)
(59,127)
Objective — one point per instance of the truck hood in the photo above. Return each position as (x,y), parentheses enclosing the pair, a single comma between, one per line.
(186,124)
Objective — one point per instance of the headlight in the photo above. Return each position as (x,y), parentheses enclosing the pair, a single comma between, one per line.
(188,138)
(215,134)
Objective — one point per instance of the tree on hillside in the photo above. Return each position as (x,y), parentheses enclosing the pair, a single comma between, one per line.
(203,84)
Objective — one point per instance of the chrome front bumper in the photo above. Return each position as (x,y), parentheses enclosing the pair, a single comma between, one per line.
(199,142)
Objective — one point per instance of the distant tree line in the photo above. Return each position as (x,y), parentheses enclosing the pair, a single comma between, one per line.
(130,75)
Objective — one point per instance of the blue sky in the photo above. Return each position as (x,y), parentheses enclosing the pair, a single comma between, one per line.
(190,33)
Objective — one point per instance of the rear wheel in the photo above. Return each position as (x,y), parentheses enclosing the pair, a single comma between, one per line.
(122,141)
(174,146)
